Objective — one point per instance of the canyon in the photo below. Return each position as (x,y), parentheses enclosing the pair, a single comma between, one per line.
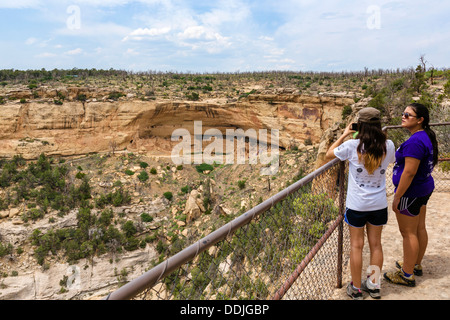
(105,128)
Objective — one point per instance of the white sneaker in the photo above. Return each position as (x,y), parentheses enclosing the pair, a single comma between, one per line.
(372,288)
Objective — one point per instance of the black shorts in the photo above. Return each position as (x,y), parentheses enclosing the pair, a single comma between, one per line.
(358,219)
(411,206)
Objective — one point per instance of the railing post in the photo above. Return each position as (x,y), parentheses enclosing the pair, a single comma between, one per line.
(341,224)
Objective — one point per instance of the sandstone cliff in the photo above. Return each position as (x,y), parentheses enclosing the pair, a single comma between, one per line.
(104,125)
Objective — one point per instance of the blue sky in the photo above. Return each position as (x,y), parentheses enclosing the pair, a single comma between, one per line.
(223,36)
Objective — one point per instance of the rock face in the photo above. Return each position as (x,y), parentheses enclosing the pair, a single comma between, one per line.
(82,127)
(90,278)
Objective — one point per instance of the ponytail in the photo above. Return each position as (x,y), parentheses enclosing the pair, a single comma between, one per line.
(434,142)
(422,112)
(372,145)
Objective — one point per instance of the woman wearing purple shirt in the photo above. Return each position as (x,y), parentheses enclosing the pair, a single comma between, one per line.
(415,160)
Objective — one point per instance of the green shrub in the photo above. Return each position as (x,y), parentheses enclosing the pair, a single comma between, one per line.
(92,236)
(33,214)
(145,217)
(194,96)
(115,95)
(131,244)
(117,198)
(316,211)
(447,88)
(143,164)
(105,218)
(43,184)
(120,197)
(168,195)
(241,184)
(143,176)
(5,249)
(129,228)
(204,167)
(445,165)
(80,175)
(346,111)
(378,102)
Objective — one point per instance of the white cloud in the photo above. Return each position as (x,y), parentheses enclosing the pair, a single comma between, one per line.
(46,55)
(99,30)
(200,32)
(226,12)
(131,52)
(74,51)
(19,4)
(37,42)
(31,41)
(265,38)
(202,38)
(143,33)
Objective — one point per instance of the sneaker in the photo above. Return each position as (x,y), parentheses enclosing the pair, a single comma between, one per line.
(399,278)
(372,289)
(417,268)
(353,293)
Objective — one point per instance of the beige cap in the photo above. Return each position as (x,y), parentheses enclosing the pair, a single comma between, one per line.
(369,114)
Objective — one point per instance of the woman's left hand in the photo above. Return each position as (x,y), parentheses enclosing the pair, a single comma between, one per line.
(395,204)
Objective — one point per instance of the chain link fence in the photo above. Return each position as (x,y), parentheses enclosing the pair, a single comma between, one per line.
(291,246)
(286,247)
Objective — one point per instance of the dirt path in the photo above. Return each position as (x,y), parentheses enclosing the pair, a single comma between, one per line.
(435,282)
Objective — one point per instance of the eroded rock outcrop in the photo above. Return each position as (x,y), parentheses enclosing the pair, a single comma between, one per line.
(83,127)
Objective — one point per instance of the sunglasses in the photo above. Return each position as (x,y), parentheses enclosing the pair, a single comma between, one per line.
(407,115)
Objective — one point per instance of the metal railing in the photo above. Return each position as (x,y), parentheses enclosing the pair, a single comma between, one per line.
(292,246)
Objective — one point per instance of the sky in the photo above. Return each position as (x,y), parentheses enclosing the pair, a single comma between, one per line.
(202,36)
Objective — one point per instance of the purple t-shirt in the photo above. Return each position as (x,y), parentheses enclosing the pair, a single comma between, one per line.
(418,146)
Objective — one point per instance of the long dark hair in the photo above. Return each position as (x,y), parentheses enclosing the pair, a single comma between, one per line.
(422,112)
(372,145)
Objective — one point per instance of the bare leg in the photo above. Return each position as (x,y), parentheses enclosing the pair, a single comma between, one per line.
(356,248)
(408,228)
(422,234)
(376,249)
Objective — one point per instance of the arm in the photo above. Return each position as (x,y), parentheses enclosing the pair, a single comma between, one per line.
(330,153)
(411,166)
